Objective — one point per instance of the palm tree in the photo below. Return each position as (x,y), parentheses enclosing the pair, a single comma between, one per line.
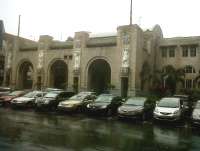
(172,76)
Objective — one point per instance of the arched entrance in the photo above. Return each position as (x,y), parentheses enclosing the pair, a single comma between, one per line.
(26,74)
(99,76)
(59,74)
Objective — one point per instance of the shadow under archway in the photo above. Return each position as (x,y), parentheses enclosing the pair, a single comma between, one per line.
(99,76)
(26,73)
(59,74)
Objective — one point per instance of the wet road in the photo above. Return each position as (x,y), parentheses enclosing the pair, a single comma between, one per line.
(30,131)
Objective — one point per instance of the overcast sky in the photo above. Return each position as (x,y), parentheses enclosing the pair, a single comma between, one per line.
(61,18)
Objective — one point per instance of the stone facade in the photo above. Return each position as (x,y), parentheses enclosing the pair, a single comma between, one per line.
(86,61)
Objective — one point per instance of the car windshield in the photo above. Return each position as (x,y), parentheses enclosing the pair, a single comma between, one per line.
(169,102)
(79,96)
(197,105)
(51,95)
(135,101)
(15,93)
(30,94)
(104,98)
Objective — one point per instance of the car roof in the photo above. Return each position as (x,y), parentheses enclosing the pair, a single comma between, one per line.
(108,94)
(180,95)
(177,98)
(86,92)
(55,92)
(138,97)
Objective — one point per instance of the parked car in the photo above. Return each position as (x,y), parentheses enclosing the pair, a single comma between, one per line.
(6,99)
(136,108)
(4,91)
(52,99)
(106,104)
(77,102)
(196,114)
(169,109)
(27,100)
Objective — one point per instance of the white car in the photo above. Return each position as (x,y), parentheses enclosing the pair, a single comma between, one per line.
(168,109)
(28,100)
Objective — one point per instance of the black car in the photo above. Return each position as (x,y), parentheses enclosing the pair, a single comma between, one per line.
(105,104)
(136,108)
(52,99)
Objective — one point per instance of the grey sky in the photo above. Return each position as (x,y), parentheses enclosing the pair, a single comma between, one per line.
(61,18)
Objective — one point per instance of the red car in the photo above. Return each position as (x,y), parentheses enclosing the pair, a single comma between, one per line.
(5,100)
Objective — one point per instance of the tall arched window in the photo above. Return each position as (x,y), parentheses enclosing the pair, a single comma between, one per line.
(189,69)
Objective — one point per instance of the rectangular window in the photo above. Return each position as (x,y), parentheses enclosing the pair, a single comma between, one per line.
(171,51)
(188,83)
(185,51)
(193,51)
(164,52)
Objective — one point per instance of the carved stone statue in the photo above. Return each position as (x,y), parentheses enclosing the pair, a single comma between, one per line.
(9,60)
(125,58)
(76,59)
(40,59)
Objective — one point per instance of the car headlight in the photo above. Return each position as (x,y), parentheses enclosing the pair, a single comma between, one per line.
(139,109)
(195,115)
(156,110)
(176,112)
(88,106)
(103,106)
(119,109)
(46,101)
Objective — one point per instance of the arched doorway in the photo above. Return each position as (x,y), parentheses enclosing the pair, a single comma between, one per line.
(99,76)
(59,74)
(26,74)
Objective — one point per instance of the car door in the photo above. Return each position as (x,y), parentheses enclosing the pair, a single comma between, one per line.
(88,99)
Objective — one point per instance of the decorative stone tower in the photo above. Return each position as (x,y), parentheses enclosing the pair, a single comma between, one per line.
(80,41)
(43,46)
(130,43)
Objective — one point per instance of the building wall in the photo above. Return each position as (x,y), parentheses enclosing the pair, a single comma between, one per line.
(142,46)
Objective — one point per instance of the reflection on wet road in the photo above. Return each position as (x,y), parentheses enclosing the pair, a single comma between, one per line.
(30,131)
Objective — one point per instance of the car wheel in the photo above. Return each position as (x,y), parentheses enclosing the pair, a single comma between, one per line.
(109,111)
(30,104)
(143,117)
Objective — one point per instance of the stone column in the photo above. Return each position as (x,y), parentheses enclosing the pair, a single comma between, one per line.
(80,42)
(43,46)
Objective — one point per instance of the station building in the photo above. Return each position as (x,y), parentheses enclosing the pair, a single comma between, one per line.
(117,62)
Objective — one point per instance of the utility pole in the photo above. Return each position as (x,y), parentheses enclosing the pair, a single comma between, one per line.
(18,26)
(131,7)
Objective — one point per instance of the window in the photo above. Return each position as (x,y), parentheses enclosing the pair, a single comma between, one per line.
(188,83)
(193,51)
(185,51)
(164,52)
(171,52)
(189,69)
